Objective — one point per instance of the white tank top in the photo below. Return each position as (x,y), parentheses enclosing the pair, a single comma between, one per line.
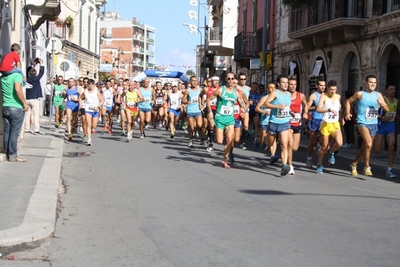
(175,100)
(333,104)
(91,100)
(108,97)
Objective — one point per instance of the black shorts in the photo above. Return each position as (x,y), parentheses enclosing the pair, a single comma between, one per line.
(82,111)
(252,114)
(157,107)
(205,112)
(296,129)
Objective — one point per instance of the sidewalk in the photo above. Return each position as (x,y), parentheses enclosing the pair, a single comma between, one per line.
(29,191)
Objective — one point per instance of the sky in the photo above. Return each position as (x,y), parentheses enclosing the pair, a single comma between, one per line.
(174,45)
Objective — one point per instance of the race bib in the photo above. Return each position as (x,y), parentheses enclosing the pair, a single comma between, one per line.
(174,103)
(236,110)
(92,108)
(392,115)
(108,102)
(213,102)
(371,113)
(225,110)
(131,104)
(159,101)
(59,93)
(147,100)
(194,100)
(330,117)
(283,113)
(296,118)
(72,97)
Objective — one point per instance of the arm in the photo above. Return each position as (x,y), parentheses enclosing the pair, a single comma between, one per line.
(349,102)
(320,108)
(20,95)
(185,97)
(305,106)
(239,96)
(214,95)
(310,102)
(245,100)
(382,102)
(100,96)
(270,98)
(260,103)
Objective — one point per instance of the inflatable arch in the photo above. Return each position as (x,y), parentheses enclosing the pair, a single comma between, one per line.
(162,74)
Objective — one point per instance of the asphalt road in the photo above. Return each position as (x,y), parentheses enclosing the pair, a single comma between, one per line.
(155,202)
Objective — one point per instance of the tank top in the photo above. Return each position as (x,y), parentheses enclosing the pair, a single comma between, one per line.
(146,94)
(159,101)
(108,97)
(59,91)
(332,103)
(226,102)
(280,116)
(264,118)
(368,108)
(236,108)
(392,109)
(72,94)
(117,98)
(213,103)
(131,99)
(193,97)
(91,100)
(316,115)
(296,107)
(174,100)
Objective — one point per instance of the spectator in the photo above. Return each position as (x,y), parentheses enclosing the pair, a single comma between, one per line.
(32,98)
(12,63)
(14,106)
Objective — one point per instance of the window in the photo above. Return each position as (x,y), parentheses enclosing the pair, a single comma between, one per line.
(254,29)
(244,20)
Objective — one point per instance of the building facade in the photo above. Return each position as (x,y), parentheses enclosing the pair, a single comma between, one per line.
(127,46)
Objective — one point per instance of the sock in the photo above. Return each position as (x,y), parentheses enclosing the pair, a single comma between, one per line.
(244,135)
(210,135)
(389,168)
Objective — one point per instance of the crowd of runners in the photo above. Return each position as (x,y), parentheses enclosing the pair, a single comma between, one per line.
(225,113)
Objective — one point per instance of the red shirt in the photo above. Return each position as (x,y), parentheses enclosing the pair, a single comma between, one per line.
(213,103)
(236,108)
(9,61)
(296,107)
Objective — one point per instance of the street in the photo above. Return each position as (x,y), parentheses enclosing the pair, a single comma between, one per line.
(155,202)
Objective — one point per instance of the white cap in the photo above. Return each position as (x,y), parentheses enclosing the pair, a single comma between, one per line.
(214,78)
(174,84)
(135,79)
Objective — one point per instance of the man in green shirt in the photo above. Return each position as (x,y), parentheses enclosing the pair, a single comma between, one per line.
(14,107)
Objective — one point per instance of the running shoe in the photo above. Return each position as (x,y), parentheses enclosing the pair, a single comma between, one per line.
(146,126)
(319,169)
(367,171)
(243,146)
(202,142)
(256,146)
(291,171)
(285,169)
(209,148)
(172,135)
(191,144)
(309,163)
(89,142)
(93,130)
(231,158)
(346,145)
(196,134)
(85,138)
(110,130)
(69,137)
(118,120)
(331,159)
(353,169)
(274,159)
(105,128)
(141,136)
(123,133)
(225,165)
(390,174)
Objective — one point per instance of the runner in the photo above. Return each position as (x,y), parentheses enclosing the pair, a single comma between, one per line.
(279,102)
(387,127)
(158,107)
(254,97)
(210,110)
(174,100)
(329,105)
(72,105)
(224,120)
(125,86)
(203,105)
(58,100)
(132,99)
(118,90)
(245,121)
(167,89)
(368,102)
(107,108)
(298,110)
(193,108)
(93,101)
(145,106)
(316,119)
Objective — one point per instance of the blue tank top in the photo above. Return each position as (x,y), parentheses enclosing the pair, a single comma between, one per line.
(147,95)
(316,115)
(368,108)
(255,98)
(280,116)
(72,94)
(193,97)
(264,118)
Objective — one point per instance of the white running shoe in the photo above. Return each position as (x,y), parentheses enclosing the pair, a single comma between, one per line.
(291,171)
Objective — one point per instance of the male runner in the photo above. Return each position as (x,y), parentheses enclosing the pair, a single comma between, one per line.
(174,100)
(72,105)
(145,105)
(246,90)
(158,107)
(107,108)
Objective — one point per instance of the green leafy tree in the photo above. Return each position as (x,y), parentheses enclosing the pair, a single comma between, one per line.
(190,73)
(104,76)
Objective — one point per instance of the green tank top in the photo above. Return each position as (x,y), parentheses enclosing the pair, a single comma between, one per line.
(225,102)
(59,91)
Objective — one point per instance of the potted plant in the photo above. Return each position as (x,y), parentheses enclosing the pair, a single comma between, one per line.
(60,22)
(69,20)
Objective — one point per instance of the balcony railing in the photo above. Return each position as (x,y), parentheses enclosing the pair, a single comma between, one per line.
(139,24)
(60,31)
(150,53)
(138,37)
(214,34)
(149,40)
(247,45)
(150,65)
(321,11)
(137,63)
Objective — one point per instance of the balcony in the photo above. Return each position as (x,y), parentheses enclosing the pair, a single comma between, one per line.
(149,40)
(138,50)
(150,65)
(149,53)
(137,63)
(317,25)
(138,24)
(247,46)
(100,3)
(46,9)
(138,37)
(60,31)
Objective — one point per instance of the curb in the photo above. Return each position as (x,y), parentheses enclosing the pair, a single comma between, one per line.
(40,216)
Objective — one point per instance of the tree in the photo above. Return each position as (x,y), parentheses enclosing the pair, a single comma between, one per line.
(190,73)
(104,76)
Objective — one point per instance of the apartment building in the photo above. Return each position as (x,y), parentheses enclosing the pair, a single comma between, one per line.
(340,40)
(127,46)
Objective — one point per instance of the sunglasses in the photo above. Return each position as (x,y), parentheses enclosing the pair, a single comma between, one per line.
(243,79)
(230,78)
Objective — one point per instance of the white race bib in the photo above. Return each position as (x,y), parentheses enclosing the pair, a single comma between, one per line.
(131,104)
(225,110)
(147,100)
(392,115)
(159,101)
(194,100)
(72,97)
(296,118)
(371,113)
(236,110)
(283,113)
(213,102)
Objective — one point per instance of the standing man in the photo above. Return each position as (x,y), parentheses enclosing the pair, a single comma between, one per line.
(224,120)
(316,119)
(368,102)
(14,106)
(32,98)
(387,127)
(279,102)
(329,105)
